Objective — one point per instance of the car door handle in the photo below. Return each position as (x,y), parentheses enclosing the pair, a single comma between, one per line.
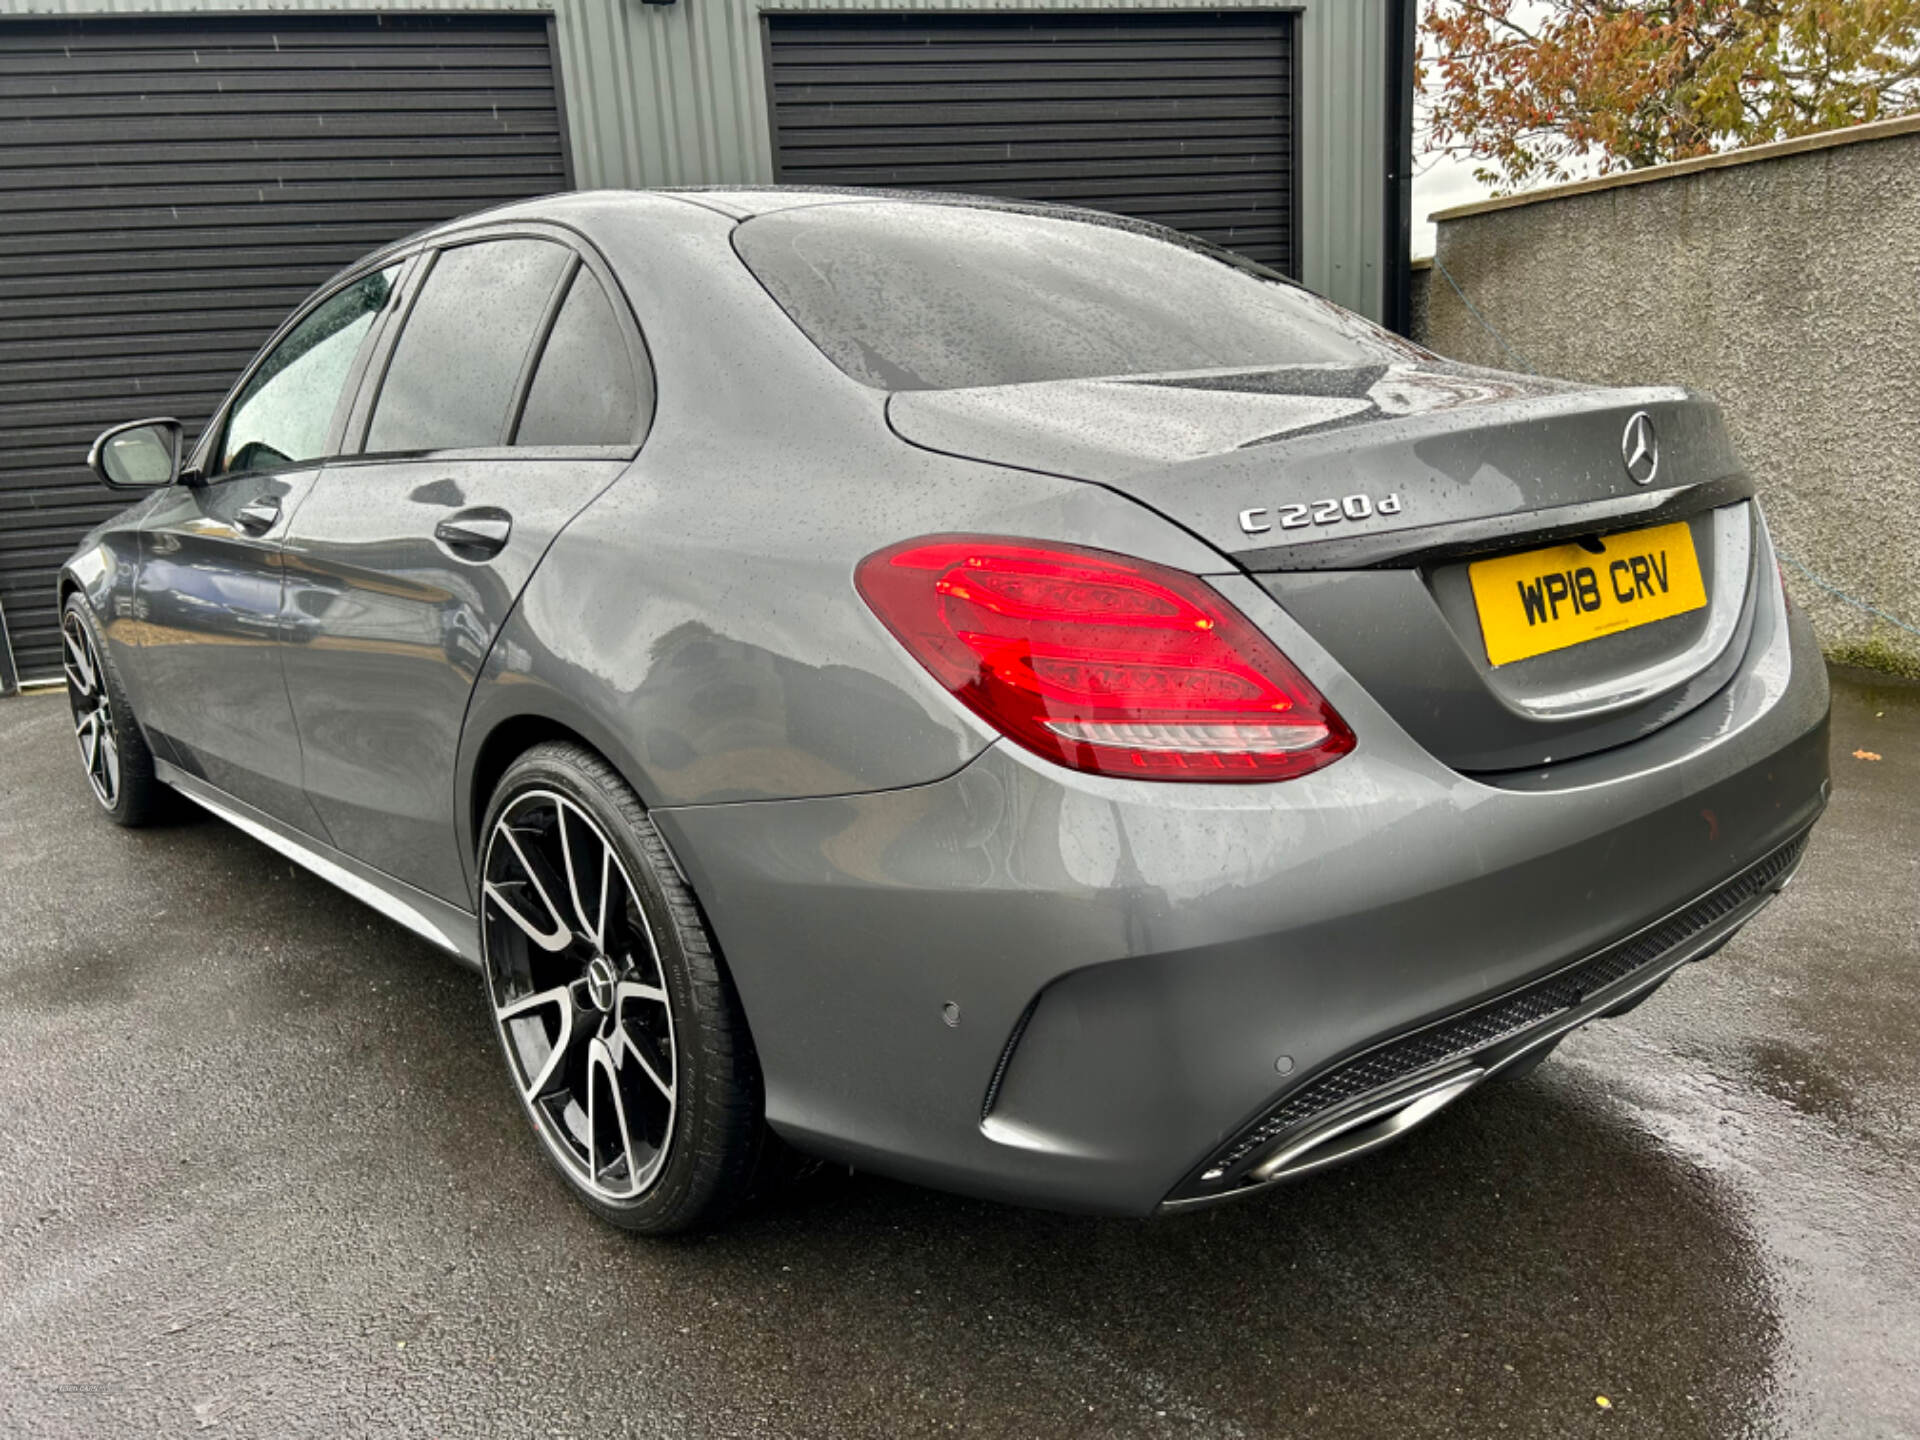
(256,517)
(476,536)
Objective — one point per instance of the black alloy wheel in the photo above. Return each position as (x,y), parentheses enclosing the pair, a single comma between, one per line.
(114,753)
(622,1034)
(92,709)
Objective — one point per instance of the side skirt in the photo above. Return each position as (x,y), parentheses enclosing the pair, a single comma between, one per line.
(448,926)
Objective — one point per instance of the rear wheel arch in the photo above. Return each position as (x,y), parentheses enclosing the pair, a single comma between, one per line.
(505,743)
(503,722)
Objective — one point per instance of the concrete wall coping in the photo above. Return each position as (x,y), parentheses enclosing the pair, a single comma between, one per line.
(1799,145)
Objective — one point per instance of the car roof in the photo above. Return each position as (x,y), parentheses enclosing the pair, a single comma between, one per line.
(588,210)
(746,201)
(743,202)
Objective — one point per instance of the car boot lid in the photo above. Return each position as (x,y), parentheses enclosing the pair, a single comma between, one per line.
(1338,467)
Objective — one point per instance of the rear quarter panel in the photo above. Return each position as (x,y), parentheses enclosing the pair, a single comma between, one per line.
(698,623)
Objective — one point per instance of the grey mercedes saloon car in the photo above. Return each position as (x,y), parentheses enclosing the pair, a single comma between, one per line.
(1002,696)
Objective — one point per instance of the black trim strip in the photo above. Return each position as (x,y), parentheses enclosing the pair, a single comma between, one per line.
(1006,1056)
(362,425)
(1396,269)
(530,362)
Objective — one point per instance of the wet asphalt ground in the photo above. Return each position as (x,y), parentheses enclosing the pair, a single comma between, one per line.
(261,1174)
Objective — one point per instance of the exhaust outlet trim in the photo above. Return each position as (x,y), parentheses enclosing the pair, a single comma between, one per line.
(1364,1129)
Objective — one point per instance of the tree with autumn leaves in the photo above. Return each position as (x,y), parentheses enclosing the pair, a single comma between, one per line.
(1533,90)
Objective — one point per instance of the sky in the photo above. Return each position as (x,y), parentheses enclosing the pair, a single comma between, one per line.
(1438,182)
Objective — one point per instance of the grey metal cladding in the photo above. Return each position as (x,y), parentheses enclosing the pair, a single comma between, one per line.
(1184,118)
(173,187)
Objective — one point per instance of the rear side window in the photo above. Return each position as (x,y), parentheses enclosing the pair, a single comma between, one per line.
(584,391)
(286,411)
(909,296)
(459,359)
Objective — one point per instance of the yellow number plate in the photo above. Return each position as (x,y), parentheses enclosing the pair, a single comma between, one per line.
(1550,599)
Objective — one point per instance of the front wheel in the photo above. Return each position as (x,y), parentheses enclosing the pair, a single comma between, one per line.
(118,764)
(622,1034)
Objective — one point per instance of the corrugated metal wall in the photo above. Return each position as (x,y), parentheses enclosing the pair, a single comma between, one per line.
(171,187)
(677,95)
(1181,118)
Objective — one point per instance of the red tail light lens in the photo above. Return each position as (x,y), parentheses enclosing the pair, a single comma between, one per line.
(1102,662)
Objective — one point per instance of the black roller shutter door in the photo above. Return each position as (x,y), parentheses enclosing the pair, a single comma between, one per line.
(169,189)
(1186,118)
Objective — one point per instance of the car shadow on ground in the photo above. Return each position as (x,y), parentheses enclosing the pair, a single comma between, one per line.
(1532,1244)
(362,1199)
(1522,1257)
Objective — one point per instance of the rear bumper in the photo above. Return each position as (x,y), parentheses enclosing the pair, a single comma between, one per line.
(1068,990)
(1377,1095)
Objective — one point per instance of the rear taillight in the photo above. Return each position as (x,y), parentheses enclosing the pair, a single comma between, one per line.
(1102,662)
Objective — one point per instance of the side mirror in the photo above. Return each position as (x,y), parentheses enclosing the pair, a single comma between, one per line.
(140,455)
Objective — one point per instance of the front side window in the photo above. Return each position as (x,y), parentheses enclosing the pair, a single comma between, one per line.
(283,415)
(583,392)
(459,359)
(943,297)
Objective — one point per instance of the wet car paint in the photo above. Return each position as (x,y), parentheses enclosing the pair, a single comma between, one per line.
(258,1174)
(384,630)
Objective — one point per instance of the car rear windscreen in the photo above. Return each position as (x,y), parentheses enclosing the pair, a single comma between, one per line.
(930,296)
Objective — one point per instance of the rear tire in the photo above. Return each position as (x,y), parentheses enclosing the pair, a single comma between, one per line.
(623,1036)
(119,766)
